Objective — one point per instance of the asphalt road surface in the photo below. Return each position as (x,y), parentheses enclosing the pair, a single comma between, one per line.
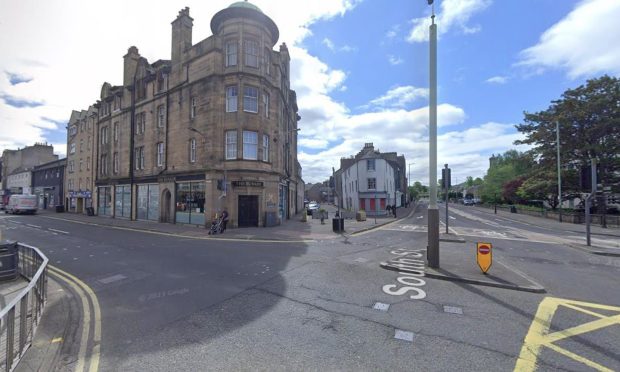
(186,304)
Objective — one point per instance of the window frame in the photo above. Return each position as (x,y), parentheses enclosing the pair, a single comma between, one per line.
(235,97)
(266,99)
(370,168)
(250,145)
(374,180)
(160,154)
(266,148)
(231,55)
(249,46)
(230,145)
(249,99)
(192,107)
(192,150)
(115,164)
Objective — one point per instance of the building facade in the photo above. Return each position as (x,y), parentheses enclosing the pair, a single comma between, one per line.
(213,128)
(80,180)
(20,182)
(371,181)
(17,161)
(48,183)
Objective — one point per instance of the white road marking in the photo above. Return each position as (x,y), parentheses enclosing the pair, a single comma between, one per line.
(452,218)
(381,306)
(403,335)
(35,226)
(361,260)
(111,279)
(452,310)
(58,231)
(419,217)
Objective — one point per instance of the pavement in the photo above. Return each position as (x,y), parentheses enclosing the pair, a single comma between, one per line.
(11,289)
(292,229)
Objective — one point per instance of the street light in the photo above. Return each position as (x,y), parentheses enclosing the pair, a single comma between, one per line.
(557,134)
(432,254)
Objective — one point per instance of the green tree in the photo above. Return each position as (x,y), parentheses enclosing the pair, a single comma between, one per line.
(589,121)
(503,169)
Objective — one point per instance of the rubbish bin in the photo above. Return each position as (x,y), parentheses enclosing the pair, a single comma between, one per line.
(60,208)
(513,209)
(8,261)
(338,225)
(90,211)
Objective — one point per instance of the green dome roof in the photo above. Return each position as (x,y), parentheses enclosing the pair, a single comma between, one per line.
(245,4)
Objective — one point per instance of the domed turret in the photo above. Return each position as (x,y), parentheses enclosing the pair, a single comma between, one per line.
(244,9)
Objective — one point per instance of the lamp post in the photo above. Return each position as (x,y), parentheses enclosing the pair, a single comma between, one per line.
(432,254)
(557,136)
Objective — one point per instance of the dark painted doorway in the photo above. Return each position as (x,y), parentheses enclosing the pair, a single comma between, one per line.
(248,210)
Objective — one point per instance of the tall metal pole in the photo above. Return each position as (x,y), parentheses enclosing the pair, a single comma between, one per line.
(432,253)
(589,199)
(557,133)
(447,188)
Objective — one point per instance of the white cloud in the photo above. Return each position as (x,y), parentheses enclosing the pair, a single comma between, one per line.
(314,143)
(399,97)
(392,32)
(331,46)
(497,80)
(453,13)
(395,60)
(584,43)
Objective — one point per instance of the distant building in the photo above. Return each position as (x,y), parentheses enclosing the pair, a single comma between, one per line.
(48,183)
(19,182)
(371,181)
(26,158)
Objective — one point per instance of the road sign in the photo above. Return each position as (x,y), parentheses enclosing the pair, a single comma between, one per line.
(484,256)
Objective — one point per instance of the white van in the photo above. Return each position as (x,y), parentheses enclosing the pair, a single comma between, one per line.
(22,204)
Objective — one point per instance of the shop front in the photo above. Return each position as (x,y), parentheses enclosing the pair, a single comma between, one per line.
(148,202)
(79,200)
(190,203)
(104,207)
(122,201)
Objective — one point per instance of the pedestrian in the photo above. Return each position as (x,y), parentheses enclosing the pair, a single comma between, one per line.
(394,210)
(224,220)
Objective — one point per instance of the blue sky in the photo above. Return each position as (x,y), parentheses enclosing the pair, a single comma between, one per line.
(360,68)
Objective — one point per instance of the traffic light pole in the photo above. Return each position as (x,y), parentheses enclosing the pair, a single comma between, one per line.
(446,185)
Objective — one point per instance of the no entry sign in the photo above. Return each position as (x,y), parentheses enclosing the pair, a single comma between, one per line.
(484,256)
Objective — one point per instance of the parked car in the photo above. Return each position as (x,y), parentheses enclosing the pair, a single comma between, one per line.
(468,202)
(22,204)
(313,206)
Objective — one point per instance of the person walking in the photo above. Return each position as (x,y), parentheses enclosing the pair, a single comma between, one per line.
(224,220)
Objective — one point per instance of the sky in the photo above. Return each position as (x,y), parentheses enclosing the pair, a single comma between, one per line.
(359,67)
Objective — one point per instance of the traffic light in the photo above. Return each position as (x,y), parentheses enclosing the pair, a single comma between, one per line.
(446,178)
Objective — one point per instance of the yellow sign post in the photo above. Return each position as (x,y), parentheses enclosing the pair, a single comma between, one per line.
(484,256)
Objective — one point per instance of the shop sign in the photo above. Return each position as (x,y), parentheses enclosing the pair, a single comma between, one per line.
(247,184)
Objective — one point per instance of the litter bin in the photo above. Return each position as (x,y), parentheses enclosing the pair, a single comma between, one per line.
(338,225)
(60,208)
(90,211)
(8,261)
(513,209)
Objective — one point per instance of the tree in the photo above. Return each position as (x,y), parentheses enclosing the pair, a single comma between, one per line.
(510,188)
(589,121)
(417,189)
(503,169)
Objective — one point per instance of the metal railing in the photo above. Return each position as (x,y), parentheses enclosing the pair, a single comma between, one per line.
(20,318)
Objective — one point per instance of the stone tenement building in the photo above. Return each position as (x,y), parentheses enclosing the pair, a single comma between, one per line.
(80,180)
(213,128)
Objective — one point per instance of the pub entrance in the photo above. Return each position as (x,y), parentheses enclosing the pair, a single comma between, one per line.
(248,211)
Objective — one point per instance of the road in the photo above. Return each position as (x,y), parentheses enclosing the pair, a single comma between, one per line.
(186,304)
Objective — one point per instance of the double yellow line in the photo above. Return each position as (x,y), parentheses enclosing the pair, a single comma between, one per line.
(88,298)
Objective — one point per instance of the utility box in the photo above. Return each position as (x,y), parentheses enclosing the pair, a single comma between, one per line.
(271,219)
(360,216)
(9,260)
